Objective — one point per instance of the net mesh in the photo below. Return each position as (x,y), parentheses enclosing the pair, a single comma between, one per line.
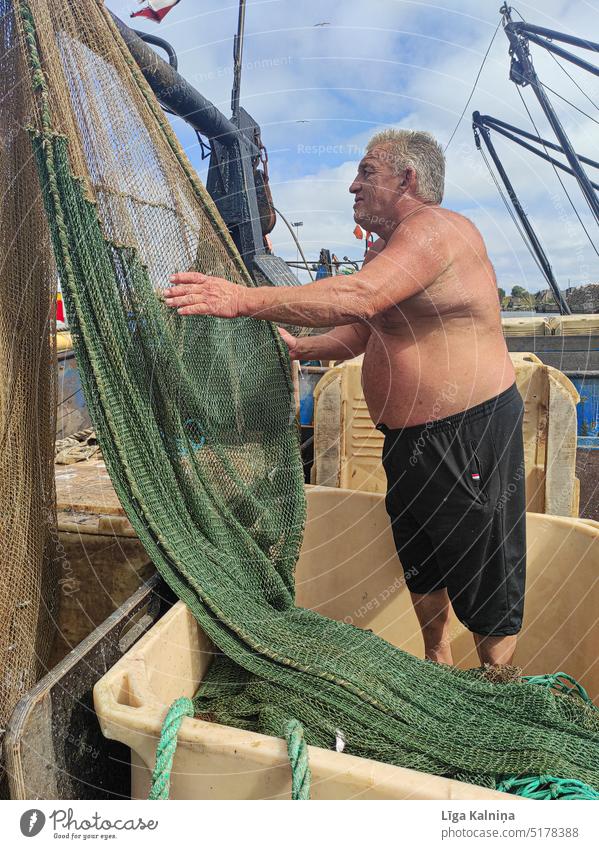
(195,421)
(27,393)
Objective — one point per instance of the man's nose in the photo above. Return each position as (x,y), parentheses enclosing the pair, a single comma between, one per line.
(355,187)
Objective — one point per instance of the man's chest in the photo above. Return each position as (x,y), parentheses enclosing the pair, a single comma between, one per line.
(436,305)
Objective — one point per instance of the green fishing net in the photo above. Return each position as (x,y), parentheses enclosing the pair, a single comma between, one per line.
(195,420)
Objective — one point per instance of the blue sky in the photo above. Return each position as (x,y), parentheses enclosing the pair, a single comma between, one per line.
(393,63)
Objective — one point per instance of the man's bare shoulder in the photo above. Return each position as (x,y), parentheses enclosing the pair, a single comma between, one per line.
(437,239)
(454,234)
(461,229)
(419,246)
(433,224)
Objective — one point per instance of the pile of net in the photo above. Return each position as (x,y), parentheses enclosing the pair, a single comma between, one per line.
(196,425)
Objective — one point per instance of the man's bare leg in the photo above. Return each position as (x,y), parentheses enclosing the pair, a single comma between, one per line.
(432,610)
(498,651)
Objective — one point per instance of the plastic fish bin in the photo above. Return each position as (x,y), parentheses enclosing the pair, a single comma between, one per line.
(348,570)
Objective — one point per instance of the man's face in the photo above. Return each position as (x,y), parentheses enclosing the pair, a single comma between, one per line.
(377,190)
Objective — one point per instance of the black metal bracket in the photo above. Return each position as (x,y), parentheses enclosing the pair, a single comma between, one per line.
(481,131)
(523,73)
(511,132)
(162,43)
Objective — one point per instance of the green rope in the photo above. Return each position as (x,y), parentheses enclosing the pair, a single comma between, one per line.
(562,683)
(297,750)
(547,787)
(167,746)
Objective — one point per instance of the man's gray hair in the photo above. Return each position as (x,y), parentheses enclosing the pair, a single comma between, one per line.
(418,150)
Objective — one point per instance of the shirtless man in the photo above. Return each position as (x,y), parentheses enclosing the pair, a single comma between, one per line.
(438,382)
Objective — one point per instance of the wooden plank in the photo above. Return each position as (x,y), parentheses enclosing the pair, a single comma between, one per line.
(326,469)
(531,379)
(86,488)
(560,487)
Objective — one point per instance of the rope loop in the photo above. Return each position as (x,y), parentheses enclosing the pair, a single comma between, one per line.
(167,746)
(297,749)
(562,683)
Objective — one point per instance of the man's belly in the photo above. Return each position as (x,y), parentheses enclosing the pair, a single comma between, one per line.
(406,385)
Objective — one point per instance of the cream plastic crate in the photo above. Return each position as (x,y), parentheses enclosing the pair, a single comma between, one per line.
(348,448)
(348,570)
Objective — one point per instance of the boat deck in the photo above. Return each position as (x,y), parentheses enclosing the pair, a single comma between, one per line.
(86,500)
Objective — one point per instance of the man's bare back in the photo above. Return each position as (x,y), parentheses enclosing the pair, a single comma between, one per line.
(442,350)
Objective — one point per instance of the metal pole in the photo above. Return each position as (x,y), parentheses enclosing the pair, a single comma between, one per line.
(481,130)
(238,58)
(496,123)
(557,36)
(565,54)
(179,96)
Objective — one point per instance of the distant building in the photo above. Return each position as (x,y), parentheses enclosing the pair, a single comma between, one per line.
(545,302)
(584,299)
(581,299)
(517,303)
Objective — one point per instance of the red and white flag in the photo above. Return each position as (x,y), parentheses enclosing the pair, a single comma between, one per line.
(155,9)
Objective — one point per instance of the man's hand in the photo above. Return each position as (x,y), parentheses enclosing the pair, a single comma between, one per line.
(291,342)
(198,294)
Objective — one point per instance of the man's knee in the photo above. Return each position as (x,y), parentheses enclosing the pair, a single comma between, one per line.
(495,650)
(432,608)
(433,612)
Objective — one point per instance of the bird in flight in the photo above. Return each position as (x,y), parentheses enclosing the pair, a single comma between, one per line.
(323,24)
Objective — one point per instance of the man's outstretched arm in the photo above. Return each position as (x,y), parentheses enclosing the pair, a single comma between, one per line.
(412,259)
(342,343)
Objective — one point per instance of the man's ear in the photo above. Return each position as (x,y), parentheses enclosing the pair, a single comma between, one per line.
(409,179)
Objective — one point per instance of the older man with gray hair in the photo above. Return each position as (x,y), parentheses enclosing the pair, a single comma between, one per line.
(438,381)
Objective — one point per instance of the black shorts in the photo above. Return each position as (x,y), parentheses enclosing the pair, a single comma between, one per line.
(456,500)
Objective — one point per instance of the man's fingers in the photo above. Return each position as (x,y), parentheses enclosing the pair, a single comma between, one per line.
(286,336)
(187,277)
(184,300)
(177,291)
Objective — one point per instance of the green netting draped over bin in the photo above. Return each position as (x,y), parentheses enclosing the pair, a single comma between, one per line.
(195,421)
